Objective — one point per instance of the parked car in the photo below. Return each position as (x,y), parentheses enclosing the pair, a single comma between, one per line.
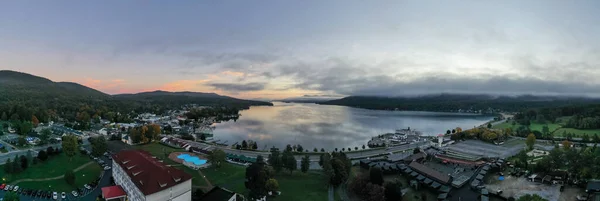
(2,186)
(63,195)
(87,187)
(75,193)
(38,193)
(8,188)
(54,195)
(16,188)
(106,168)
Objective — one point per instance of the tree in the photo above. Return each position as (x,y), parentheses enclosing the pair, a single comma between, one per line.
(34,121)
(50,151)
(289,148)
(272,185)
(254,146)
(98,146)
(29,157)
(25,127)
(453,131)
(69,145)
(70,177)
(545,130)
(339,172)
(216,157)
(566,145)
(530,197)
(16,165)
(8,167)
(416,150)
(275,159)
(299,148)
(355,148)
(22,141)
(24,162)
(257,176)
(45,135)
(289,161)
(11,196)
(376,176)
(154,130)
(530,141)
(448,132)
(305,164)
(197,194)
(336,149)
(489,125)
(4,117)
(322,150)
(202,137)
(392,192)
(244,145)
(343,149)
(363,146)
(42,155)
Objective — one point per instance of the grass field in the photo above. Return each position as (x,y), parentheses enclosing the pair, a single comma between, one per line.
(533,126)
(302,186)
(55,166)
(83,176)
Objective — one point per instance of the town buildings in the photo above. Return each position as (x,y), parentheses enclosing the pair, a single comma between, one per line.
(145,178)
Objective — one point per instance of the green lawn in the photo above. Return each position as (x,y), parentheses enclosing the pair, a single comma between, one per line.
(55,166)
(576,132)
(302,186)
(83,176)
(229,176)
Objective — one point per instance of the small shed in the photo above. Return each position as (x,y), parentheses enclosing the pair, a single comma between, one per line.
(420,177)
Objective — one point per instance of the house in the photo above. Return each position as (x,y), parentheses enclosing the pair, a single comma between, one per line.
(144,178)
(219,194)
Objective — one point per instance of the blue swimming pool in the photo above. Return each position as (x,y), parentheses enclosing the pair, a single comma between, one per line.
(192,159)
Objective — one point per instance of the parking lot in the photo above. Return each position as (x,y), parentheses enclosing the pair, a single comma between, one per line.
(518,186)
(84,194)
(484,149)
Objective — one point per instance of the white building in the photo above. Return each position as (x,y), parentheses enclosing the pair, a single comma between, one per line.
(144,178)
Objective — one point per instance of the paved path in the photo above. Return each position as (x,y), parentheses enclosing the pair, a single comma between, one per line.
(52,178)
(331,194)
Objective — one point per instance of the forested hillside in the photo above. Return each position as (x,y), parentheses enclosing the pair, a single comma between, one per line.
(24,97)
(579,117)
(456,102)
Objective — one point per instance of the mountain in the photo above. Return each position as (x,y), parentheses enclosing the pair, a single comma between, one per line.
(186,97)
(460,102)
(17,86)
(24,95)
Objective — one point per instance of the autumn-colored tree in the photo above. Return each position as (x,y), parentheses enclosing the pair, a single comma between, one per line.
(143,131)
(35,120)
(530,141)
(458,129)
(567,145)
(155,130)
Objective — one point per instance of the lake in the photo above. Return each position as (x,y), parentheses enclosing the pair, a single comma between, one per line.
(329,127)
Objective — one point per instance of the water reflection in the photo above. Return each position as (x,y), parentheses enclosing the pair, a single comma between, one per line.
(329,127)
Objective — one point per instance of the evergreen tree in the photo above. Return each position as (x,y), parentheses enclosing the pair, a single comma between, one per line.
(16,165)
(244,145)
(8,167)
(305,163)
(4,117)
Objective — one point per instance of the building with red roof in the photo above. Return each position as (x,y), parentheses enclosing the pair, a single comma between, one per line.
(145,178)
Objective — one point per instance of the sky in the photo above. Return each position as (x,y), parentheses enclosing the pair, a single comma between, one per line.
(271,49)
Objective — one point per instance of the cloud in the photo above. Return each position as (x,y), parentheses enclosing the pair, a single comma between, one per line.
(182,85)
(255,86)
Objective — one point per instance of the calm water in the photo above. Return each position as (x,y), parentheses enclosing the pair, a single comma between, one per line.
(325,126)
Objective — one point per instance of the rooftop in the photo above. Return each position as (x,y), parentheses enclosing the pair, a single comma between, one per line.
(429,172)
(112,192)
(217,194)
(147,173)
